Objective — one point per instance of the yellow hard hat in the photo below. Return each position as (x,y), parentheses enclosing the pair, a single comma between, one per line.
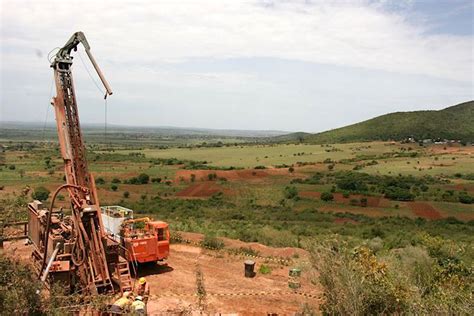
(142,281)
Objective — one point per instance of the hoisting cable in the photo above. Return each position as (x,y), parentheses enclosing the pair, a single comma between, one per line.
(105,120)
(89,73)
(101,91)
(47,109)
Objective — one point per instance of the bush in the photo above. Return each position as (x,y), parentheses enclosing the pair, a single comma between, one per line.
(260,167)
(327,196)
(212,243)
(465,198)
(116,180)
(291,193)
(99,181)
(355,283)
(114,187)
(143,178)
(126,194)
(12,167)
(155,180)
(212,176)
(41,194)
(363,202)
(18,287)
(264,269)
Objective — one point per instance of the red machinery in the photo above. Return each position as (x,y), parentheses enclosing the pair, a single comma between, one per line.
(75,249)
(146,240)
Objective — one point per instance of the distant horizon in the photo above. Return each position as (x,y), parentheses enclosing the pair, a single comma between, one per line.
(283,132)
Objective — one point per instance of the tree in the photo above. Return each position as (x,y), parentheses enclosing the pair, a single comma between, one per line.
(41,194)
(143,178)
(327,196)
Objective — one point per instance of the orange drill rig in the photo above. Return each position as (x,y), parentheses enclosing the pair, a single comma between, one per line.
(144,239)
(75,249)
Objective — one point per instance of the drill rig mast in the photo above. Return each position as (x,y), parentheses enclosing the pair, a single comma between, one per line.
(83,255)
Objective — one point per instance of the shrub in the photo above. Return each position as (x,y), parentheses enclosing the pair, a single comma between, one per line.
(114,187)
(99,181)
(264,269)
(355,282)
(41,194)
(12,167)
(260,167)
(143,178)
(212,176)
(465,198)
(18,287)
(212,243)
(327,196)
(291,169)
(126,194)
(363,202)
(116,180)
(158,180)
(291,193)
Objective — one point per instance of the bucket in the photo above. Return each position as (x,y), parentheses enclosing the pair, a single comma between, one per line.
(294,278)
(249,268)
(295,272)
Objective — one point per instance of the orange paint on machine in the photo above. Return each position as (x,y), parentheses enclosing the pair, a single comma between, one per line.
(143,239)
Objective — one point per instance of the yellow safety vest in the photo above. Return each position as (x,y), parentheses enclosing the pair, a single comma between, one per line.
(122,302)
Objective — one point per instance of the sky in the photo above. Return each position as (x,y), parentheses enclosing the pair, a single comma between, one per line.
(260,65)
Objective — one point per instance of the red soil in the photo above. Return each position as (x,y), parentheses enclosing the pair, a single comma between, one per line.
(173,287)
(231,175)
(345,220)
(424,210)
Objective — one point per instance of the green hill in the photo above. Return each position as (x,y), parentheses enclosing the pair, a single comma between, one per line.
(455,122)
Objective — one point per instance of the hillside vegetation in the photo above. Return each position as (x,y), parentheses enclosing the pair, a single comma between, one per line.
(455,122)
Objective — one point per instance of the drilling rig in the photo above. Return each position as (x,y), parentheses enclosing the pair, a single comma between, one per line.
(75,249)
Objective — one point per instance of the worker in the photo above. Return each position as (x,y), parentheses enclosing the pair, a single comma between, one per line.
(138,306)
(120,305)
(143,289)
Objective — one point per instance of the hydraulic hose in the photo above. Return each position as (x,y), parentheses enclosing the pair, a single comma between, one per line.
(48,220)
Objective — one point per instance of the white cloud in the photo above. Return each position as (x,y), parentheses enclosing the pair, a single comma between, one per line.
(317,65)
(350,33)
